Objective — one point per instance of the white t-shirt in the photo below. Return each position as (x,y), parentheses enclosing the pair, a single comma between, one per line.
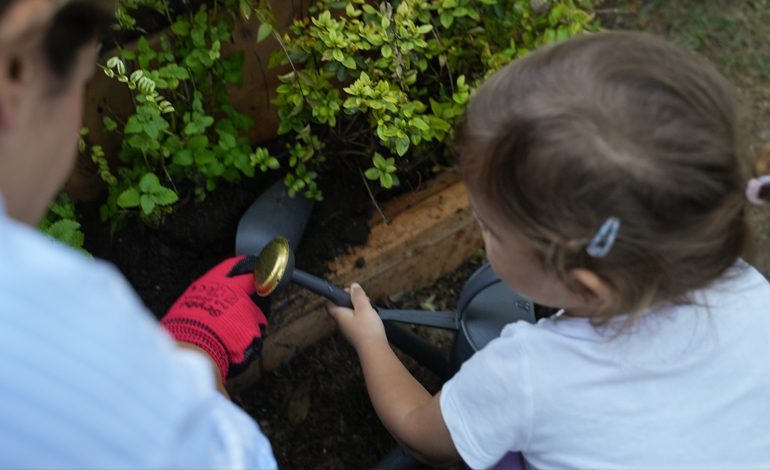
(90,379)
(685,387)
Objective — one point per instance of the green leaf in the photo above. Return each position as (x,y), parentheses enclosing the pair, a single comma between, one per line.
(128,198)
(198,37)
(425,28)
(192,128)
(109,124)
(446,19)
(170,146)
(402,145)
(181,28)
(147,203)
(174,71)
(372,174)
(165,196)
(183,157)
(349,62)
(67,231)
(204,158)
(146,53)
(133,126)
(149,183)
(264,31)
(386,180)
(245,7)
(197,142)
(420,124)
(226,140)
(201,18)
(63,207)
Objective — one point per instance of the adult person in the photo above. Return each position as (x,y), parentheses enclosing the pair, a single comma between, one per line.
(90,379)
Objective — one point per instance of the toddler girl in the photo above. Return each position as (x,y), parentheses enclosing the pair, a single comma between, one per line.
(605,175)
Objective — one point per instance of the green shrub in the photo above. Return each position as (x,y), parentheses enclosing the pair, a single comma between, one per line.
(379,84)
(386,82)
(183,136)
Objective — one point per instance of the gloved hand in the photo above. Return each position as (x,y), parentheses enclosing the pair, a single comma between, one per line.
(217,314)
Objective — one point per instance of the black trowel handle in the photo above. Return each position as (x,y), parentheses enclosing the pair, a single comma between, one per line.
(323,288)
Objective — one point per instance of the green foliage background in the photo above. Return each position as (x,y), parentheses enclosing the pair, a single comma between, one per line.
(385,82)
(380,84)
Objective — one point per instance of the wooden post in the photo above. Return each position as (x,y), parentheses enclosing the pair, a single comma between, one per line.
(430,233)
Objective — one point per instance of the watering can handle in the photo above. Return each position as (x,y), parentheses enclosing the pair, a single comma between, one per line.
(339,297)
(321,287)
(445,320)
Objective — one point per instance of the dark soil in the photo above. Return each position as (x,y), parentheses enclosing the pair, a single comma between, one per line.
(160,263)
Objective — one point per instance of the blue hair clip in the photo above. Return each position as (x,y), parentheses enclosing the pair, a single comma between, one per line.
(602,242)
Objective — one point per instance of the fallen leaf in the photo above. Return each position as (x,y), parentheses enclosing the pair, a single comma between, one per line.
(429,303)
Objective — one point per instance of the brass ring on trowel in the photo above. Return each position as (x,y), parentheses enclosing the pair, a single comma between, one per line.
(271,266)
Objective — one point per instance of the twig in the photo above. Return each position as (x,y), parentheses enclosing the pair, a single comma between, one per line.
(614,11)
(353,152)
(371,196)
(448,69)
(165,170)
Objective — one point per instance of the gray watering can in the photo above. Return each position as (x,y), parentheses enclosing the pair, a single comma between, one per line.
(272,228)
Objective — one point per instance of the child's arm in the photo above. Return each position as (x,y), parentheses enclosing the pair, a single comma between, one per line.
(406,409)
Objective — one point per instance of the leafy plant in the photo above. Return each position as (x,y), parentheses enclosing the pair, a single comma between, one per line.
(378,84)
(61,223)
(149,195)
(183,136)
(384,170)
(386,82)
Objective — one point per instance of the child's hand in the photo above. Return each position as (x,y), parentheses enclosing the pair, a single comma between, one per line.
(361,324)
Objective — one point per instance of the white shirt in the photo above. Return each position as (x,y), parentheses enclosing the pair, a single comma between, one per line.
(90,380)
(685,387)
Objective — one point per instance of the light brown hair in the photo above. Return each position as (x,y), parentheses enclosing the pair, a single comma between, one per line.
(616,124)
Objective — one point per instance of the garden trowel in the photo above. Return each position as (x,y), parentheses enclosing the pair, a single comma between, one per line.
(274,213)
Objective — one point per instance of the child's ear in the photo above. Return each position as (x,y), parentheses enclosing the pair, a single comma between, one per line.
(595,286)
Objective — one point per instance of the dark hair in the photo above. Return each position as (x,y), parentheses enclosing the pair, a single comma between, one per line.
(615,124)
(4,5)
(74,25)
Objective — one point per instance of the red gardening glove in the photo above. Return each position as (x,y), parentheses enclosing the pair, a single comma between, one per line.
(217,314)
